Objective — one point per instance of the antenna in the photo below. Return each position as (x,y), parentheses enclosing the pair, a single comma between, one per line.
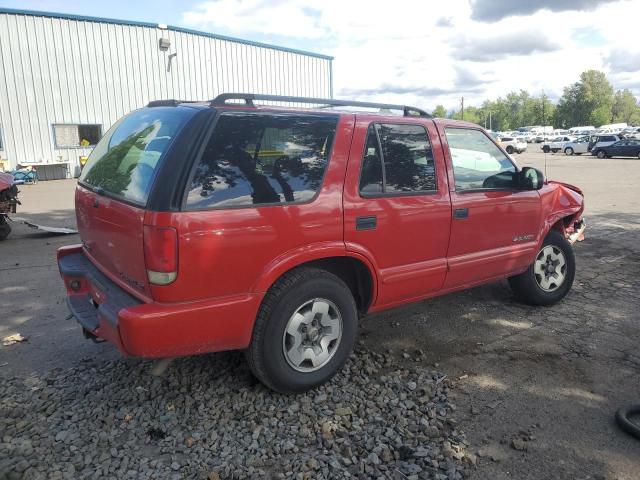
(543,135)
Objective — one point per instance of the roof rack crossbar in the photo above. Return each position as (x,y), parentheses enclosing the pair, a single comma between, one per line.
(168,103)
(248,98)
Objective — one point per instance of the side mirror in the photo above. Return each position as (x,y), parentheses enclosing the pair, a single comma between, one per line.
(530,178)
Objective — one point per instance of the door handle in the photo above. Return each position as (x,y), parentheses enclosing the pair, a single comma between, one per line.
(460,213)
(366,223)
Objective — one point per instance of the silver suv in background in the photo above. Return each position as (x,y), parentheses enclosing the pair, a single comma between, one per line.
(602,141)
(556,144)
(577,146)
(513,144)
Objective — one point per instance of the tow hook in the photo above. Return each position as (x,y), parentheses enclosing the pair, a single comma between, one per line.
(578,231)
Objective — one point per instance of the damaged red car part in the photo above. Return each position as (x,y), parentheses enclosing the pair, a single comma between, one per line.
(8,202)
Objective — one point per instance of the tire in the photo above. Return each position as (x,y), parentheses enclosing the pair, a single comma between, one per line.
(289,302)
(546,149)
(509,149)
(5,228)
(601,154)
(537,287)
(623,419)
(568,151)
(639,155)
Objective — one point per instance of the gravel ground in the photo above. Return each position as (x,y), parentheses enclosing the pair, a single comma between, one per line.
(207,418)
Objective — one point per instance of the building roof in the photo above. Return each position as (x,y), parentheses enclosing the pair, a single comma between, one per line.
(83,18)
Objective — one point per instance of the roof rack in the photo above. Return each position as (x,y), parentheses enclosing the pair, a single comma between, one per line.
(169,103)
(248,98)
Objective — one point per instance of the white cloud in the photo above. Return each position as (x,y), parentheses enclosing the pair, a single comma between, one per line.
(427,53)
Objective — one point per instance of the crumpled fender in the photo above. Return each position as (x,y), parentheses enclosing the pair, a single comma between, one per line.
(560,201)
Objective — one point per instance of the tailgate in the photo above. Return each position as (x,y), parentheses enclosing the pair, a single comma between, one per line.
(111,233)
(114,188)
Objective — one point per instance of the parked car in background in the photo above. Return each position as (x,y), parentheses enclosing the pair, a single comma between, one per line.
(211,226)
(611,128)
(556,144)
(621,148)
(578,146)
(583,130)
(513,144)
(631,132)
(602,141)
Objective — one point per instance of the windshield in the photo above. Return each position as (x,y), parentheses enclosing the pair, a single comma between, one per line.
(125,160)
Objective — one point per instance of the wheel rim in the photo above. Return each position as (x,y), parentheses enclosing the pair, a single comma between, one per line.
(312,335)
(550,268)
(569,151)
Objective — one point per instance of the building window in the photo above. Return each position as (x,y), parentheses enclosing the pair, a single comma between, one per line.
(74,136)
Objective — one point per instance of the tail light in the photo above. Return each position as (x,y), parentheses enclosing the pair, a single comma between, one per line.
(161,254)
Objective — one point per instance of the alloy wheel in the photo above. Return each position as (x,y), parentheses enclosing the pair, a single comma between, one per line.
(312,335)
(550,268)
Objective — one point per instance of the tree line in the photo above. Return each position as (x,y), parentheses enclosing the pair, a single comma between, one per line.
(589,101)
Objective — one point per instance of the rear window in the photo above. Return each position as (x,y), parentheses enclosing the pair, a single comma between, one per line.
(124,162)
(262,159)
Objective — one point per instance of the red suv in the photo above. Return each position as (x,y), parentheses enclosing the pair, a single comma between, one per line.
(227,225)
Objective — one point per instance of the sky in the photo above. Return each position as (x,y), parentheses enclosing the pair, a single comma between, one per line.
(417,52)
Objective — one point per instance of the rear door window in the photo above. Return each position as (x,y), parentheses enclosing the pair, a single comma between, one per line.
(262,159)
(124,162)
(397,160)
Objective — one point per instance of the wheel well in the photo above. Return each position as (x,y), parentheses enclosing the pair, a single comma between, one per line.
(562,224)
(351,271)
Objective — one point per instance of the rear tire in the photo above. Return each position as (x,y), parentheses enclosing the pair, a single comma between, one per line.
(549,278)
(308,314)
(568,151)
(5,228)
(546,149)
(601,154)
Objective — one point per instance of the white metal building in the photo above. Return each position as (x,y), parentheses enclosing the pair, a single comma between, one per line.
(65,79)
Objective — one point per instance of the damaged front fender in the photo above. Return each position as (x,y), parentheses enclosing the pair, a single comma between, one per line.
(562,208)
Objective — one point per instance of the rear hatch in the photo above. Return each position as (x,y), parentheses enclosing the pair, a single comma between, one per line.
(114,188)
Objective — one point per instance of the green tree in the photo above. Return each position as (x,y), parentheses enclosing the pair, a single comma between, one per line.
(587,102)
(439,112)
(625,107)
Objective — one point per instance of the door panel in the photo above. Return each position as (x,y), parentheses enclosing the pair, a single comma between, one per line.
(408,239)
(495,228)
(499,235)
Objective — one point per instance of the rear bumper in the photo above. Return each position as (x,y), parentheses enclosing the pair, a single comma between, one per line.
(153,330)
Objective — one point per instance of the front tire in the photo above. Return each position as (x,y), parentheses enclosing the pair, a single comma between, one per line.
(510,149)
(568,151)
(550,277)
(546,149)
(304,332)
